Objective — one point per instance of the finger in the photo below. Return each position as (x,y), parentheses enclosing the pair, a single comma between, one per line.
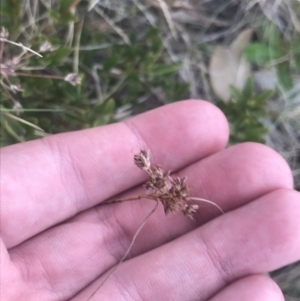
(261,236)
(49,180)
(251,288)
(8,274)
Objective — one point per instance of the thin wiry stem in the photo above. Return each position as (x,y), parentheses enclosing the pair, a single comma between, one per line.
(137,198)
(112,24)
(25,55)
(1,50)
(24,121)
(127,252)
(166,12)
(207,201)
(76,50)
(20,45)
(39,75)
(15,102)
(8,81)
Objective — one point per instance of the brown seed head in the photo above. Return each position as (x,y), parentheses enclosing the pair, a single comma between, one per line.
(142,160)
(170,205)
(190,210)
(157,177)
(179,188)
(172,192)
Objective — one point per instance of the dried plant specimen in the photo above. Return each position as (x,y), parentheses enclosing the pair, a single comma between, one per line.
(171,191)
(161,186)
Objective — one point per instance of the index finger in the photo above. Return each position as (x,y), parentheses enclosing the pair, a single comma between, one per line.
(49,180)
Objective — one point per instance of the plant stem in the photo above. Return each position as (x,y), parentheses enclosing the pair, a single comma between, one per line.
(136,198)
(207,201)
(129,248)
(40,75)
(8,94)
(20,45)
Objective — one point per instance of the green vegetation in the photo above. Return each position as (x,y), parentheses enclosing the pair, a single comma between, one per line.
(244,111)
(116,70)
(122,65)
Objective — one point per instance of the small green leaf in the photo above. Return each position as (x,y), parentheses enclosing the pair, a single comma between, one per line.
(56,58)
(64,5)
(274,36)
(54,15)
(260,53)
(105,108)
(284,75)
(248,89)
(110,106)
(236,93)
(296,52)
(264,96)
(163,70)
(12,132)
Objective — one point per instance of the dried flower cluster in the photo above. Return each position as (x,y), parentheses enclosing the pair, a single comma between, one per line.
(171,191)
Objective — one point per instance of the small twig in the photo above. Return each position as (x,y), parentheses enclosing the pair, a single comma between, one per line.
(128,250)
(21,46)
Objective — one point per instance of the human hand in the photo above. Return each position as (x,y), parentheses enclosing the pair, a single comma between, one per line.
(57,243)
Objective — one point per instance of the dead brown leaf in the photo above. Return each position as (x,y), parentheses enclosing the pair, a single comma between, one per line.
(228,66)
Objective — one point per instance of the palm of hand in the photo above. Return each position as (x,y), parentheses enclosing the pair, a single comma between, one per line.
(57,243)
